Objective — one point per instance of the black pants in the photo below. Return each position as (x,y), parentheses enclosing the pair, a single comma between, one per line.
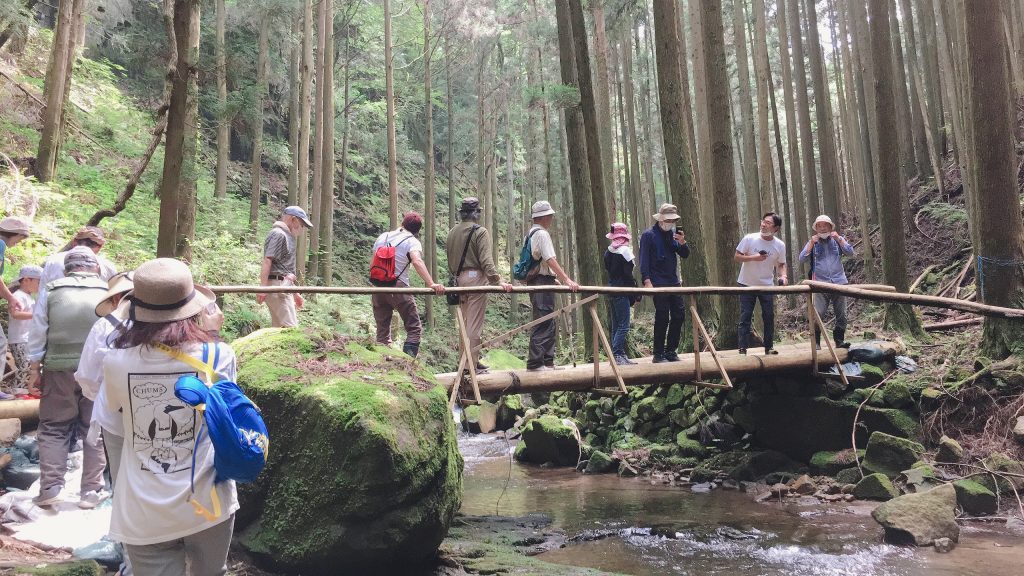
(747,302)
(542,338)
(669,313)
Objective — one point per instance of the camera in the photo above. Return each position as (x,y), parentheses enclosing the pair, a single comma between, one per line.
(762,252)
(679,230)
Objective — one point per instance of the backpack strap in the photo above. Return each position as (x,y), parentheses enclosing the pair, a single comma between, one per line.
(114,321)
(462,261)
(203,367)
(408,260)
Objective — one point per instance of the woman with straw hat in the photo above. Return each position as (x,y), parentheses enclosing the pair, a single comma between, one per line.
(168,509)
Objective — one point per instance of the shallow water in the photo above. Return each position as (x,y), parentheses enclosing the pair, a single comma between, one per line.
(656,529)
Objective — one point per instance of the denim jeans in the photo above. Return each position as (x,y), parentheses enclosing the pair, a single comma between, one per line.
(747,302)
(620,309)
(669,313)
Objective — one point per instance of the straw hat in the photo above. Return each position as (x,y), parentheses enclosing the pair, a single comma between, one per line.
(14,225)
(164,292)
(667,212)
(825,219)
(118,285)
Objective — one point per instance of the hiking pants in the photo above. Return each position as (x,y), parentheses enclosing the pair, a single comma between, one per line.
(61,408)
(113,445)
(473,306)
(620,309)
(384,307)
(204,553)
(542,338)
(282,307)
(747,302)
(669,313)
(838,302)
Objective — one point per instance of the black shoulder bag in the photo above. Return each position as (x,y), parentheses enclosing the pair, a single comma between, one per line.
(453,281)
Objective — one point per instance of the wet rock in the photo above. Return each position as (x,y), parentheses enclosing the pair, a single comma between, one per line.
(1018,430)
(29,446)
(778,490)
(716,432)
(600,463)
(709,469)
(743,417)
(1005,484)
(848,488)
(920,519)
(890,455)
(848,476)
(803,485)
(760,464)
(921,477)
(734,533)
(626,470)
(834,388)
(730,484)
(368,473)
(548,439)
(831,463)
(689,447)
(974,498)
(510,409)
(949,450)
(106,552)
(702,488)
(944,545)
(876,487)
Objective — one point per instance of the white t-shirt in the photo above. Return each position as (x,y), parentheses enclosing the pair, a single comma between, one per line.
(151,503)
(17,330)
(90,376)
(542,248)
(404,243)
(761,272)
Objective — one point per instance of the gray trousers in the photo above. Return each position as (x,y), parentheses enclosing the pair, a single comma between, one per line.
(542,338)
(113,444)
(838,302)
(62,408)
(201,554)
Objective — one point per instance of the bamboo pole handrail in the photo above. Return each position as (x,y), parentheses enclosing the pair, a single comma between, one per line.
(365,290)
(915,299)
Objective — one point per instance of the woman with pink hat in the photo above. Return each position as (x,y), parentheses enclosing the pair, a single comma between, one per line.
(619,262)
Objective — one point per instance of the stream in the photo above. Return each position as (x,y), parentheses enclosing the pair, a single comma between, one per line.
(631,526)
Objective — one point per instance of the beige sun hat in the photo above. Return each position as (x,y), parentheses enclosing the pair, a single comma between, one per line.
(824,218)
(542,208)
(14,225)
(164,292)
(667,212)
(118,285)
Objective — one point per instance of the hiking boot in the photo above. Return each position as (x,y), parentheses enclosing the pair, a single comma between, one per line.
(671,357)
(92,499)
(742,351)
(623,361)
(539,369)
(47,496)
(411,348)
(839,337)
(481,367)
(658,359)
(553,367)
(771,352)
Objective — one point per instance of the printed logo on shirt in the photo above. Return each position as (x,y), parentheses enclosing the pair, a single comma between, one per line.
(163,427)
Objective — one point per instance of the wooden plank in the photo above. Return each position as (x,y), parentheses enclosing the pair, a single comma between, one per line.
(714,356)
(461,319)
(599,331)
(696,336)
(831,349)
(561,311)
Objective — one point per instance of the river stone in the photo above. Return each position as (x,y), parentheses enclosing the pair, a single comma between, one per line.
(548,439)
(920,519)
(949,450)
(367,472)
(848,476)
(974,498)
(875,487)
(600,463)
(648,409)
(1018,430)
(510,409)
(830,463)
(944,545)
(890,455)
(10,430)
(689,447)
(675,396)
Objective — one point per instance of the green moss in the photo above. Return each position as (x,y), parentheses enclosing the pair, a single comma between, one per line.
(898,394)
(497,359)
(830,463)
(998,462)
(876,487)
(675,396)
(890,455)
(975,498)
(80,568)
(689,447)
(872,374)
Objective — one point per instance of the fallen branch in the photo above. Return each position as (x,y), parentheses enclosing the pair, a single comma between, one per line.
(916,299)
(70,122)
(918,226)
(920,278)
(941,326)
(1006,364)
(955,287)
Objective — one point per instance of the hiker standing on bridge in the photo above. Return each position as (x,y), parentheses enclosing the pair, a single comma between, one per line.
(619,262)
(543,273)
(469,261)
(660,245)
(408,251)
(761,255)
(278,266)
(825,250)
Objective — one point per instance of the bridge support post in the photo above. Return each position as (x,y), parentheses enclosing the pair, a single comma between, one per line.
(599,334)
(698,324)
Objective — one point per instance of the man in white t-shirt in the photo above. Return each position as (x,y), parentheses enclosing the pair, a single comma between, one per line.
(408,252)
(761,255)
(542,249)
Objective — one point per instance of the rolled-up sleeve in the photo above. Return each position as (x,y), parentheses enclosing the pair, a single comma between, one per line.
(37,330)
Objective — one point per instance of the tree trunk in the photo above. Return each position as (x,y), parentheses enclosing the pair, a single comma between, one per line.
(762,70)
(583,214)
(904,137)
(993,175)
(930,52)
(804,110)
(327,264)
(680,176)
(749,162)
(309,244)
(223,123)
(830,183)
(601,99)
(429,200)
(704,181)
(783,184)
(691,142)
(918,119)
(629,107)
(389,82)
(324,213)
(450,141)
(723,182)
(57,77)
(186,228)
(293,109)
(305,126)
(897,316)
(256,164)
(866,99)
(798,218)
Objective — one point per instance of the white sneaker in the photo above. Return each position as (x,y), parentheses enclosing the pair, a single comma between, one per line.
(92,499)
(47,496)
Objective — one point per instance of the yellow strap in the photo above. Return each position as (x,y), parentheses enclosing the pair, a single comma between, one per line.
(206,369)
(203,511)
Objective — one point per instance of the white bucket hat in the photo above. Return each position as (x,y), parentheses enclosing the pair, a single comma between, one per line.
(542,208)
(824,218)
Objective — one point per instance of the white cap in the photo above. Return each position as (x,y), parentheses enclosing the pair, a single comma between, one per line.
(825,219)
(542,208)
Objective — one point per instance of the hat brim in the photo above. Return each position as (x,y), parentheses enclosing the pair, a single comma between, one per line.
(663,217)
(200,299)
(543,213)
(106,306)
(306,222)
(613,235)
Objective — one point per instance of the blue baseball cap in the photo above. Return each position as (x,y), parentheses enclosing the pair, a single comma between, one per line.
(300,214)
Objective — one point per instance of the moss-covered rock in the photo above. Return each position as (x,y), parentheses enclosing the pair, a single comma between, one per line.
(974,498)
(873,396)
(689,447)
(719,463)
(548,440)
(760,464)
(498,359)
(830,463)
(872,374)
(675,396)
(876,487)
(743,417)
(601,463)
(848,476)
(949,450)
(920,518)
(510,409)
(891,455)
(998,462)
(662,452)
(367,471)
(898,394)
(648,409)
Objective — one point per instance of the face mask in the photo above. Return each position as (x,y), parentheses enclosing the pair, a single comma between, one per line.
(824,235)
(667,226)
(768,234)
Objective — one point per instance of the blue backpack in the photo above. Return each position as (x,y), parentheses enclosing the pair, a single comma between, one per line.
(526,263)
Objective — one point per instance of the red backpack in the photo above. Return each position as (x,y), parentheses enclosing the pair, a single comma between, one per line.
(382,267)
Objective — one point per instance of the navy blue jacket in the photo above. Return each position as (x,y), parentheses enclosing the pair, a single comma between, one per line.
(658,251)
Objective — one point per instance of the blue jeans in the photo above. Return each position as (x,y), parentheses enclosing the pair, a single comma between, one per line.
(620,308)
(747,302)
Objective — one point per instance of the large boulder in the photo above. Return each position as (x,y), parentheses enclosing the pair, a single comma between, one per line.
(876,487)
(548,440)
(891,455)
(364,471)
(831,463)
(920,519)
(974,498)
